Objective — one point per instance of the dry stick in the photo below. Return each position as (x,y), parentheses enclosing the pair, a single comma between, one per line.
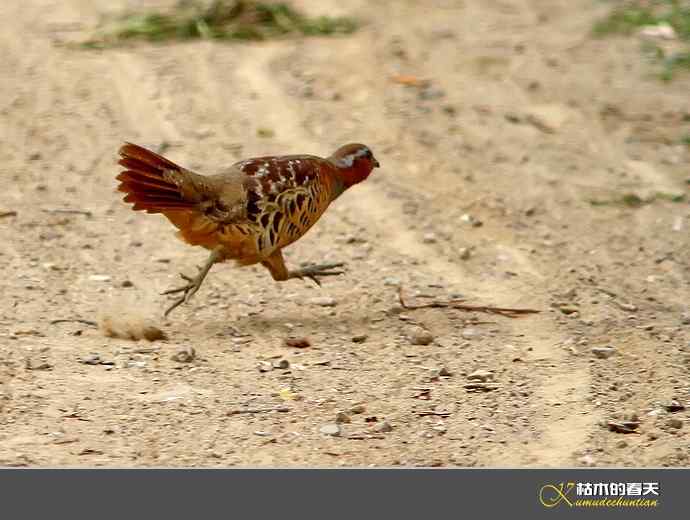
(258,410)
(75,320)
(457,304)
(69,211)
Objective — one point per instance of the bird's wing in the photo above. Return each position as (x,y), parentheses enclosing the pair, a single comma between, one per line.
(285,197)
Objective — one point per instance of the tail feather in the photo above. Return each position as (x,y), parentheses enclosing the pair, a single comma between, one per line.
(145,181)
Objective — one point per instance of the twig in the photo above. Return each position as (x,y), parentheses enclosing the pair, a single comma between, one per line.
(69,211)
(486,387)
(258,410)
(75,320)
(425,413)
(457,304)
(4,214)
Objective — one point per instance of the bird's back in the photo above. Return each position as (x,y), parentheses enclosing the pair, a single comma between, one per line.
(254,208)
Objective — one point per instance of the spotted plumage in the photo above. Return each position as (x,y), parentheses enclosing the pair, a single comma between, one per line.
(249,212)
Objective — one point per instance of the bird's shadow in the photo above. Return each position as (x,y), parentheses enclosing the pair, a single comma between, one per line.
(273,323)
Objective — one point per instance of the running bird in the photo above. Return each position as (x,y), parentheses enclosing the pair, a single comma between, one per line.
(248,213)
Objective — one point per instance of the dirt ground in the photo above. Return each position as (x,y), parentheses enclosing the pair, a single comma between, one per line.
(494,185)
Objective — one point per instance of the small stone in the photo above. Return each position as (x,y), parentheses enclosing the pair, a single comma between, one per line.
(674,406)
(429,238)
(481,375)
(358,408)
(91,359)
(323,301)
(567,309)
(548,118)
(587,461)
(465,253)
(185,355)
(330,429)
(469,219)
(384,427)
(282,364)
(127,283)
(264,366)
(420,336)
(391,281)
(685,318)
(444,372)
(621,444)
(342,417)
(675,422)
(469,333)
(359,338)
(99,278)
(629,307)
(297,343)
(603,352)
(653,435)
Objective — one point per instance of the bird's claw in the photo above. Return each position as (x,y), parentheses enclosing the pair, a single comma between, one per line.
(314,271)
(189,289)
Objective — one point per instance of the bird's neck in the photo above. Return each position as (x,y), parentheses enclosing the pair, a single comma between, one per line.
(351,176)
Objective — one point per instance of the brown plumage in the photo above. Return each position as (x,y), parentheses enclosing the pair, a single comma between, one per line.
(249,212)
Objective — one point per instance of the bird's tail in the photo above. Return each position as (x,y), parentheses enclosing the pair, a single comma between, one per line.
(149,181)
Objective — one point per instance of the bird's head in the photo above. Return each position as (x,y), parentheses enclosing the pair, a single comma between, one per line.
(354,162)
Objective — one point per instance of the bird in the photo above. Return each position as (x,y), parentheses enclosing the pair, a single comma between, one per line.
(250,211)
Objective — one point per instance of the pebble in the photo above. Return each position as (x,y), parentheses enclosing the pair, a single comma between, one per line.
(621,444)
(465,253)
(675,422)
(324,301)
(99,278)
(297,343)
(548,118)
(469,219)
(359,338)
(282,364)
(603,352)
(384,427)
(264,366)
(185,355)
(685,318)
(391,281)
(420,336)
(429,238)
(674,406)
(342,417)
(469,333)
(588,461)
(330,429)
(481,375)
(358,408)
(127,283)
(444,372)
(91,359)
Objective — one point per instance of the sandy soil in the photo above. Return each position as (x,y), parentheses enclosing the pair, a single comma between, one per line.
(485,191)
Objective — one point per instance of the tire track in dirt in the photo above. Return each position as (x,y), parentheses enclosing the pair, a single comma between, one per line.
(564,431)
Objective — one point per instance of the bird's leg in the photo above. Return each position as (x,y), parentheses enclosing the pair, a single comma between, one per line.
(276,266)
(194,283)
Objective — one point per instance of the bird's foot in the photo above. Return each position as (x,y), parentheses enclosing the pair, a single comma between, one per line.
(188,290)
(193,284)
(313,272)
